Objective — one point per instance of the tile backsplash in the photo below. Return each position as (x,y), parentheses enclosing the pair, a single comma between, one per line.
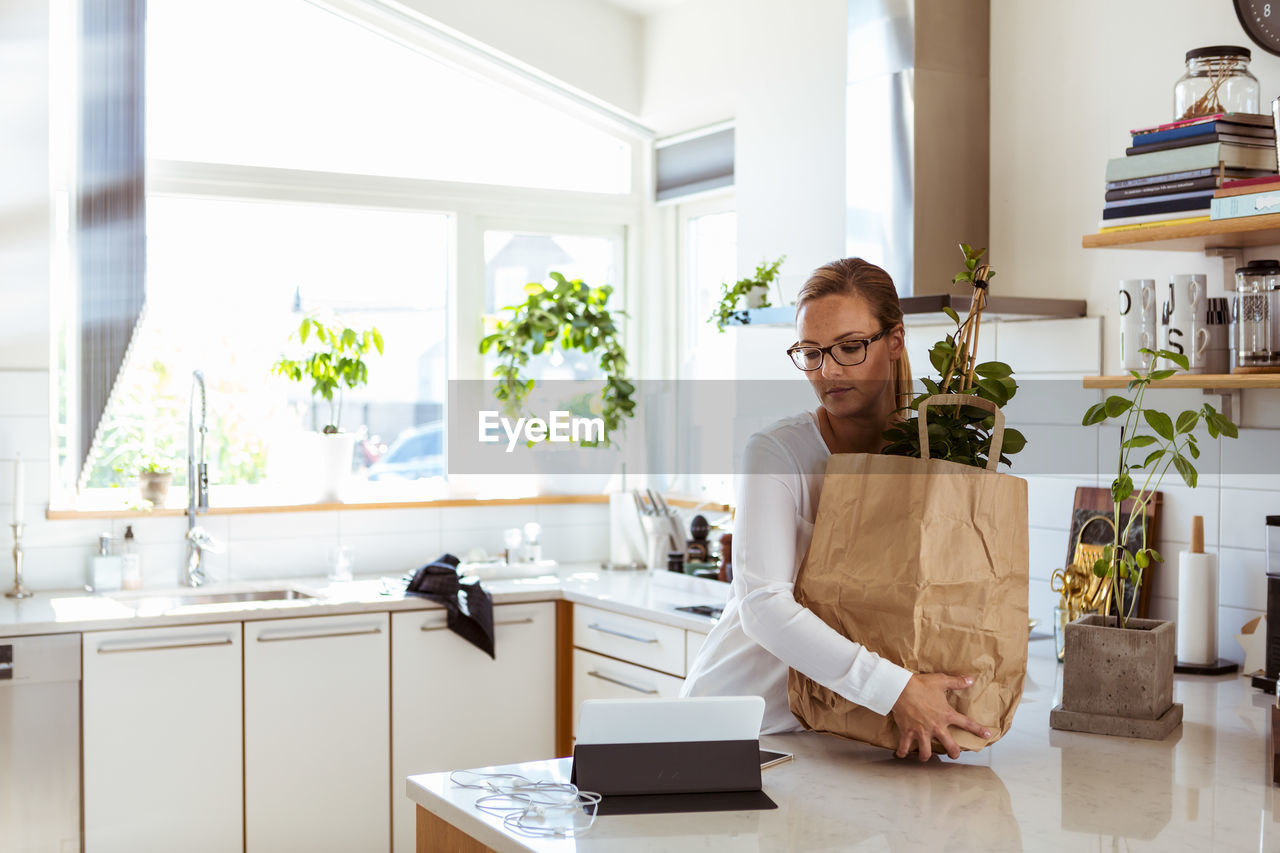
(1240,485)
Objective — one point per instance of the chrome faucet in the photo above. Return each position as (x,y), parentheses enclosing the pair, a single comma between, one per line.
(198,539)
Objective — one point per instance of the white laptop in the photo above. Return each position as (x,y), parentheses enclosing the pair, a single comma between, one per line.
(693,718)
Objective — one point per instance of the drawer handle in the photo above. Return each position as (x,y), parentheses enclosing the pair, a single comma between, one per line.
(104,650)
(602,629)
(651,691)
(276,638)
(526,621)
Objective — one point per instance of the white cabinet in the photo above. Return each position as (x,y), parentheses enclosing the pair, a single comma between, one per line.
(692,645)
(598,677)
(453,707)
(316,729)
(629,638)
(162,739)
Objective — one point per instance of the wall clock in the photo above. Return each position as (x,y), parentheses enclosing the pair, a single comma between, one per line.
(1261,20)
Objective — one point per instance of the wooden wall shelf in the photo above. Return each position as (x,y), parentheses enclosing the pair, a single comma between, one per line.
(1206,381)
(1194,236)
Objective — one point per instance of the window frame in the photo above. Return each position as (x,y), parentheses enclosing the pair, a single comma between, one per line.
(473,208)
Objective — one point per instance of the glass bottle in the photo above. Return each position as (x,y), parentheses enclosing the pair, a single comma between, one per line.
(1254,323)
(1217,80)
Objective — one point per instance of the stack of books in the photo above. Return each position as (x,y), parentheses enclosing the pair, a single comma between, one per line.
(1171,172)
(1250,197)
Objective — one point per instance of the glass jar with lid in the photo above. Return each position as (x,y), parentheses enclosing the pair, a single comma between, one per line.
(1253,314)
(1217,80)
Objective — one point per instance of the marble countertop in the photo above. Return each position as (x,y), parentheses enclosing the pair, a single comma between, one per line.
(1205,788)
(651,595)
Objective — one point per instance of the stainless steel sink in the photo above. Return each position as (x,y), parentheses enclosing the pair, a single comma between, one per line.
(173,600)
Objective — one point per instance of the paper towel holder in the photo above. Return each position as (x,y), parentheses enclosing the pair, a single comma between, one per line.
(1222,667)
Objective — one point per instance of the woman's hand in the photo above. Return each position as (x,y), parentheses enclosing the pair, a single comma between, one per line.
(922,713)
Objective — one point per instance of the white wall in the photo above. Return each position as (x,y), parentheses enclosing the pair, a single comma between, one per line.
(777,69)
(590,45)
(1068,81)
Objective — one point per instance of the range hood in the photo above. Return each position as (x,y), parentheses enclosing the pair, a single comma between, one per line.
(917,122)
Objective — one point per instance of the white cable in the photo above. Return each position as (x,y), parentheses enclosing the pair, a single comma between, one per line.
(527,804)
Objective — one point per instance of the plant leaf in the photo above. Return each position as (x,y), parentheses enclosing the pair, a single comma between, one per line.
(1116,405)
(1187,421)
(1159,422)
(1139,441)
(1186,469)
(993,369)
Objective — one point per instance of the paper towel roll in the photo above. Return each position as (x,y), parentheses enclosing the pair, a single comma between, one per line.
(1197,608)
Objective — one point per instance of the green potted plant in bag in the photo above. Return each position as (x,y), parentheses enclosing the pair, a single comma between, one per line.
(331,356)
(1117,670)
(961,433)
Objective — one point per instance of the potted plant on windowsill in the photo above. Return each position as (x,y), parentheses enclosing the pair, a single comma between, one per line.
(755,290)
(154,478)
(1117,674)
(332,357)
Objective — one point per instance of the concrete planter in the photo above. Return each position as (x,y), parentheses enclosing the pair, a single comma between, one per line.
(1118,681)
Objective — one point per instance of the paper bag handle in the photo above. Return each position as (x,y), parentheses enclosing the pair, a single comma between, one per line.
(997,431)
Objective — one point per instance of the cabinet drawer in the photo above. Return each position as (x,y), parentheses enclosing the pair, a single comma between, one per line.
(637,640)
(598,677)
(693,641)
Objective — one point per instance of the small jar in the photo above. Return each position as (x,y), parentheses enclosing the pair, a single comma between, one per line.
(1253,323)
(1217,80)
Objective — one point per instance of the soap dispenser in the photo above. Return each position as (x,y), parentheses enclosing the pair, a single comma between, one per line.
(106,570)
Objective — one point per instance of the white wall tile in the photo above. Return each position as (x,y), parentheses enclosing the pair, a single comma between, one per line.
(1050,499)
(1261,409)
(392,554)
(1242,578)
(568,515)
(1230,620)
(262,559)
(1057,450)
(284,525)
(1252,461)
(408,521)
(51,568)
(480,517)
(24,393)
(25,434)
(586,544)
(1244,515)
(1180,504)
(1049,401)
(1040,603)
(1048,550)
(1071,345)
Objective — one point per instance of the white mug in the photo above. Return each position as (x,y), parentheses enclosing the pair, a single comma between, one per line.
(1184,315)
(1199,354)
(1137,301)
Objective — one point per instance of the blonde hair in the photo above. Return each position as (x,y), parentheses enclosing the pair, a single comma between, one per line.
(858,277)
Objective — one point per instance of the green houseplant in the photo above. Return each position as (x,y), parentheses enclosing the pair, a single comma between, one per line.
(754,289)
(154,478)
(570,315)
(331,356)
(1117,670)
(961,433)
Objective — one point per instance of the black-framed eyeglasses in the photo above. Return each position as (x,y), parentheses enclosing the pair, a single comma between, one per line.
(848,353)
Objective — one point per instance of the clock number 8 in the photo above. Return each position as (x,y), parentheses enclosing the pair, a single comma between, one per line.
(1266,11)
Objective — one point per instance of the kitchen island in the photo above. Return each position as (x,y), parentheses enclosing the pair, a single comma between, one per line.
(1204,788)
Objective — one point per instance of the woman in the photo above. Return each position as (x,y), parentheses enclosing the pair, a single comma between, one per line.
(851,349)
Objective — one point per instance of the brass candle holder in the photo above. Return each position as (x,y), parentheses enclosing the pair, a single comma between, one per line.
(18,591)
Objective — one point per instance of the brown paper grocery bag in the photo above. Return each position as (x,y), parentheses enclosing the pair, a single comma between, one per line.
(924,562)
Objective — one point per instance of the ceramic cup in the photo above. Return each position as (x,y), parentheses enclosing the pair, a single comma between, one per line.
(1183,318)
(1137,300)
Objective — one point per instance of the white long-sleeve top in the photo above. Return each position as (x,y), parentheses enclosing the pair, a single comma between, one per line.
(763,630)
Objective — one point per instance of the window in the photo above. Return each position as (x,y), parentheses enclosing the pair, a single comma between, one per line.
(708,256)
(514,259)
(282,184)
(259,83)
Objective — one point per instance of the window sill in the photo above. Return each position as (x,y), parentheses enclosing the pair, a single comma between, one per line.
(69,513)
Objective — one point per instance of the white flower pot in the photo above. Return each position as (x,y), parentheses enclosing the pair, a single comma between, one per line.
(334,454)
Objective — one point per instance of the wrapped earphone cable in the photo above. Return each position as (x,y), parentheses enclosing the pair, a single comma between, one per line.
(529,807)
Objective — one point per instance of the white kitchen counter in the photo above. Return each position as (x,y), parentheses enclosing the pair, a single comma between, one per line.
(1203,789)
(651,595)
